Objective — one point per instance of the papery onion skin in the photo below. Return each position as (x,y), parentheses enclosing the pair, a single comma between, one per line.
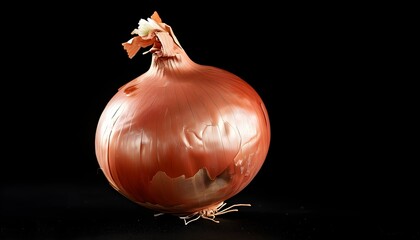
(182,137)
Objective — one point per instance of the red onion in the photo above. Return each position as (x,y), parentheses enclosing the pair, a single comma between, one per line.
(183,137)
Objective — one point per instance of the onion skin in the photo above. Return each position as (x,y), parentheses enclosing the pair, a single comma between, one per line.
(182,137)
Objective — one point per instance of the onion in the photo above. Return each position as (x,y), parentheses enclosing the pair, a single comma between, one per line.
(182,137)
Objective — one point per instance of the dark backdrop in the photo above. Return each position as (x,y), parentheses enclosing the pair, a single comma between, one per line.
(338,123)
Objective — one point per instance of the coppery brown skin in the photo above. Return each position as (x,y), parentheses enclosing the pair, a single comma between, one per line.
(182,137)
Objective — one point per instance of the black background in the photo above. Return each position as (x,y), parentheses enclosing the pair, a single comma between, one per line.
(340,162)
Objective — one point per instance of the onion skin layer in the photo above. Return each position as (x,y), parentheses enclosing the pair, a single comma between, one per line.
(182,137)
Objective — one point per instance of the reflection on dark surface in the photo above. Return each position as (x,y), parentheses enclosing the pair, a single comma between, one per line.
(98,212)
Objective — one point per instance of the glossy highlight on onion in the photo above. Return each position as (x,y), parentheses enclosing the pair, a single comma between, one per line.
(182,137)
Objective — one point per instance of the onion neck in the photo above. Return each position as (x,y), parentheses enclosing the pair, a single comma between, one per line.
(178,63)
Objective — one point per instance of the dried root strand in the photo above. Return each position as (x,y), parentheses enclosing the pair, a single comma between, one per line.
(211,213)
(158,214)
